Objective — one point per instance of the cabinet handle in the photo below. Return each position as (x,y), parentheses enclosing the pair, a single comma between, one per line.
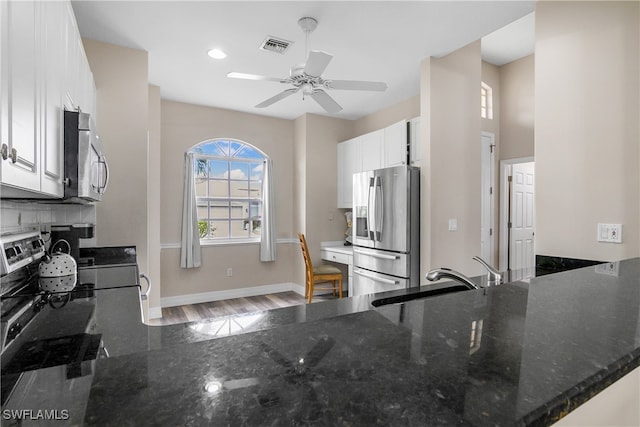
(5,153)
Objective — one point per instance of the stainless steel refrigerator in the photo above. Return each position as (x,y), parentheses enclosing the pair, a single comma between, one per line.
(386,229)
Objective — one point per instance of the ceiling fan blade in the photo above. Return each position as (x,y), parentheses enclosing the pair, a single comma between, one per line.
(277,98)
(246,76)
(325,101)
(356,85)
(317,61)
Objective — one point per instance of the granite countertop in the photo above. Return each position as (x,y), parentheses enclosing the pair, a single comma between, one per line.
(523,353)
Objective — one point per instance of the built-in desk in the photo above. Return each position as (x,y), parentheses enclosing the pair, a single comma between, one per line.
(336,252)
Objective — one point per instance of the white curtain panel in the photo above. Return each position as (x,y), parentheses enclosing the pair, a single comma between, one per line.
(190,254)
(268,228)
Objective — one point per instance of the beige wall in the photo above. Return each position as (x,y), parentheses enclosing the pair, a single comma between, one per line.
(316,214)
(586,127)
(404,110)
(120,76)
(450,130)
(153,197)
(517,118)
(184,125)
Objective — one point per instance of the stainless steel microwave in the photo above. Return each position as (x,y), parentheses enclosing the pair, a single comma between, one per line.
(86,172)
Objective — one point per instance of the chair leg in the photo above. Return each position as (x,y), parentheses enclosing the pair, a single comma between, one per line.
(333,287)
(340,288)
(310,292)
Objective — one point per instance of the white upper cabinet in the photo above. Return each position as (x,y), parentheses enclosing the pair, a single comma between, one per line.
(347,166)
(20,144)
(395,144)
(52,119)
(371,151)
(375,150)
(43,70)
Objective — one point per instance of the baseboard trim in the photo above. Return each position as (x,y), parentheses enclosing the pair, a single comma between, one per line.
(229,293)
(155,312)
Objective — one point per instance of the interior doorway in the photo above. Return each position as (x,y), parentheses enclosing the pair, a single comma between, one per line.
(517,214)
(488,159)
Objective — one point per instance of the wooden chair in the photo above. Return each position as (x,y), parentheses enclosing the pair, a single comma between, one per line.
(321,274)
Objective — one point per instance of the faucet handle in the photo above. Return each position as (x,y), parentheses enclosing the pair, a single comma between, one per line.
(494,277)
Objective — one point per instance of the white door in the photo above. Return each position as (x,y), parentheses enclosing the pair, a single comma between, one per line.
(522,221)
(486,215)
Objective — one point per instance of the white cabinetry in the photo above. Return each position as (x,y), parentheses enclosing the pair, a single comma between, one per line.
(395,144)
(43,70)
(371,151)
(20,149)
(347,155)
(374,150)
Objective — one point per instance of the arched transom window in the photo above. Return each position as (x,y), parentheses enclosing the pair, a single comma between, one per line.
(228,182)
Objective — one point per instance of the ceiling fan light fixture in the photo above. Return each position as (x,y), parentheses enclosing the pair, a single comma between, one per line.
(217,54)
(307,89)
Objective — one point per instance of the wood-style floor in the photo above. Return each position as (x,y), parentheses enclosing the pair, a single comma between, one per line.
(208,310)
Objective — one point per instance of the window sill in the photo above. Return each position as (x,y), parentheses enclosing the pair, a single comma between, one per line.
(229,242)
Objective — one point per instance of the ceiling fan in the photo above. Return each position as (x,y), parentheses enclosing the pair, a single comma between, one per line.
(308,77)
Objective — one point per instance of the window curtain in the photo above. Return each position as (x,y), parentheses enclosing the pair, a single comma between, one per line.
(190,254)
(268,228)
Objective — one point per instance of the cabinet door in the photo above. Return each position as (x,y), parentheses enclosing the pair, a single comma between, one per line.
(72,59)
(347,166)
(395,144)
(52,119)
(19,93)
(371,150)
(415,151)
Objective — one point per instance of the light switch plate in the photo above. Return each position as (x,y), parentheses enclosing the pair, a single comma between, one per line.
(453,224)
(610,233)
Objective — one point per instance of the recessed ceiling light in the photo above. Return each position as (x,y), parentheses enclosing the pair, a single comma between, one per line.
(217,54)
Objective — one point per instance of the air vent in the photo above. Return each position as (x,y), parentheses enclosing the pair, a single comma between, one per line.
(274,44)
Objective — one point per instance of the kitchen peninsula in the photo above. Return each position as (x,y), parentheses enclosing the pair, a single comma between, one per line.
(523,353)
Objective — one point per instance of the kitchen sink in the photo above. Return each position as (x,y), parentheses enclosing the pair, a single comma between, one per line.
(418,295)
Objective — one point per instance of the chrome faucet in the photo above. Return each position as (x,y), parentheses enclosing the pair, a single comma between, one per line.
(442,272)
(494,277)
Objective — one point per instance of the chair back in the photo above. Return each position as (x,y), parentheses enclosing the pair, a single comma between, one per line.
(305,253)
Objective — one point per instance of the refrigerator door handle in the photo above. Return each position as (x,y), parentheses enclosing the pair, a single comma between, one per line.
(375,255)
(379,207)
(371,228)
(375,278)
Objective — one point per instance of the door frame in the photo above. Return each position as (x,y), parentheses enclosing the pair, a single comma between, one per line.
(490,162)
(505,172)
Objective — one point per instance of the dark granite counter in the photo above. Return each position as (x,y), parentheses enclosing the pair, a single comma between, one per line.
(523,353)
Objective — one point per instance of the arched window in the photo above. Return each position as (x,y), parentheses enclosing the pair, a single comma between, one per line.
(228,185)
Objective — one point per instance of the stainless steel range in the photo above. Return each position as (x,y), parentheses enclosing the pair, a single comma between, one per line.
(36,331)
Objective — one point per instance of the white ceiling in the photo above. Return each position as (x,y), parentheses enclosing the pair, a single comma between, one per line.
(370,40)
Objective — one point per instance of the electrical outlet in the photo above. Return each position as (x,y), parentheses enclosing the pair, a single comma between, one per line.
(229,272)
(609,268)
(610,233)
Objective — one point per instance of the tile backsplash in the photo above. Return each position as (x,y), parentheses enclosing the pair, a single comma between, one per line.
(19,216)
